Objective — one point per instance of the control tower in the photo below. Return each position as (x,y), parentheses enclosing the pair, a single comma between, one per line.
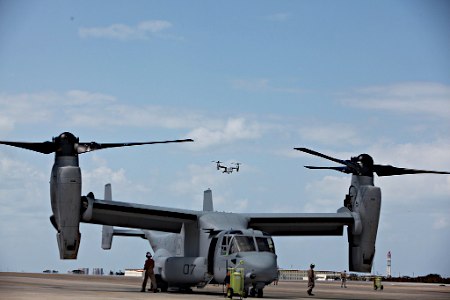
(388,271)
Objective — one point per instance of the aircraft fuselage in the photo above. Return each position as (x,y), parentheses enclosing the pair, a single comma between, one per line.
(223,242)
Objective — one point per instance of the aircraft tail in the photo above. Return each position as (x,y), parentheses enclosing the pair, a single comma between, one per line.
(108,232)
(107,237)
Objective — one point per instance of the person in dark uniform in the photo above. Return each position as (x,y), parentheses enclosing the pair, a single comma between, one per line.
(148,269)
(311,279)
(344,279)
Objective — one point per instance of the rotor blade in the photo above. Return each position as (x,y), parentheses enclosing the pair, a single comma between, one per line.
(340,169)
(312,152)
(388,170)
(45,147)
(92,146)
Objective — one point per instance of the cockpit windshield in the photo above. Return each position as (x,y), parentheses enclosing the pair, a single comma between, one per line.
(239,241)
(242,244)
(265,244)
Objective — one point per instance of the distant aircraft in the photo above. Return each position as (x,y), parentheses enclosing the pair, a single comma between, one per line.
(226,169)
(194,248)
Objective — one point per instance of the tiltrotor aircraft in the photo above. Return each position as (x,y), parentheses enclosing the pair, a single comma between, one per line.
(226,169)
(194,248)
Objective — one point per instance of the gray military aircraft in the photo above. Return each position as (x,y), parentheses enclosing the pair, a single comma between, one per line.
(226,169)
(194,248)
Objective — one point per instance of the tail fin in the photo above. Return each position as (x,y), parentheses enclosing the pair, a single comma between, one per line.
(107,231)
(107,237)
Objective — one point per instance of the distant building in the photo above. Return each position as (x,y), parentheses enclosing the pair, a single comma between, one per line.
(297,275)
(97,271)
(134,272)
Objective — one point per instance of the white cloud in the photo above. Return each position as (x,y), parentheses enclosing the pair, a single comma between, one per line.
(415,155)
(139,116)
(48,107)
(410,97)
(326,194)
(232,130)
(331,134)
(86,109)
(23,188)
(441,221)
(78,97)
(199,177)
(6,123)
(122,32)
(94,179)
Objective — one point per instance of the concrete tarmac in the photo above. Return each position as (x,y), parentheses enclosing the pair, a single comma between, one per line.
(64,286)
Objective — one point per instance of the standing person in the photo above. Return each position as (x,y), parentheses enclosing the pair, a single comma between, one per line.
(311,279)
(344,279)
(148,269)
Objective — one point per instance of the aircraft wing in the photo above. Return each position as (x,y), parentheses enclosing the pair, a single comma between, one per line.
(132,215)
(295,224)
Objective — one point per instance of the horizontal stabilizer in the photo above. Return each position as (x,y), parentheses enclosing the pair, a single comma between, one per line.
(107,236)
(109,232)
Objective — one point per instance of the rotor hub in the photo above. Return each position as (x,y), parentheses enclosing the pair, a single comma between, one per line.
(66,144)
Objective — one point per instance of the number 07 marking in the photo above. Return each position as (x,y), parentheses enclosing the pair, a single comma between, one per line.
(188,269)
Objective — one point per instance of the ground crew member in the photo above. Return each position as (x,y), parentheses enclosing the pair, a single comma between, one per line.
(311,279)
(148,269)
(344,279)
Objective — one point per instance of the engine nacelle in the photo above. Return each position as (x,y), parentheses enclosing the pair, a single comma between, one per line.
(66,207)
(184,270)
(362,237)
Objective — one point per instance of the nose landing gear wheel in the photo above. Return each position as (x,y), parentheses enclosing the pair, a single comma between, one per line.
(256,293)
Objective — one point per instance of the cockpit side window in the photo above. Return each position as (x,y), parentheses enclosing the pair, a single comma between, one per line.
(265,244)
(225,245)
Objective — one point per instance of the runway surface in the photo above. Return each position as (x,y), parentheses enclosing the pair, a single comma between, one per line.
(65,286)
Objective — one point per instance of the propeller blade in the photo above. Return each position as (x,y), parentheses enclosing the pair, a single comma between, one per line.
(340,169)
(45,147)
(388,170)
(92,146)
(312,152)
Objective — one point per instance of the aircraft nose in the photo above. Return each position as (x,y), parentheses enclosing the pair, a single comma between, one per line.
(260,266)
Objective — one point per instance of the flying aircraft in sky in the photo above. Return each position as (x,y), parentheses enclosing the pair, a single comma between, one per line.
(194,248)
(226,169)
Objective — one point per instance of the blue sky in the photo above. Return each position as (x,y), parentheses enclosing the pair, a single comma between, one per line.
(248,81)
